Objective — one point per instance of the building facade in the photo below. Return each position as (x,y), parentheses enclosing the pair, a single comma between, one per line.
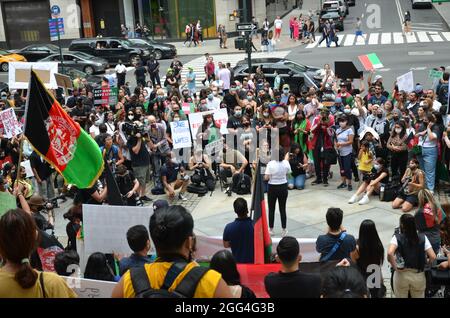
(26,22)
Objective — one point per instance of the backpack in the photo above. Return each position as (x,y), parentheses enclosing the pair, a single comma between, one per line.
(185,289)
(197,189)
(158,191)
(443,94)
(241,184)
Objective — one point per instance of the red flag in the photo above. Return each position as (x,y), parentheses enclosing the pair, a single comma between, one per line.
(261,238)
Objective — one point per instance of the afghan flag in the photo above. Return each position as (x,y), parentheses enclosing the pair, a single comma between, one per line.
(59,139)
(261,237)
(370,61)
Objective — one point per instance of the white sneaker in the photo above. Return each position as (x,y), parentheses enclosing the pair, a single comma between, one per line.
(182,197)
(284,232)
(354,199)
(364,200)
(271,232)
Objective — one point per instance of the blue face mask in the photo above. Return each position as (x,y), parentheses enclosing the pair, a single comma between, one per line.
(210,96)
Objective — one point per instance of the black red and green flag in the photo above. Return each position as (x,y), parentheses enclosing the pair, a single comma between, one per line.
(59,139)
(261,237)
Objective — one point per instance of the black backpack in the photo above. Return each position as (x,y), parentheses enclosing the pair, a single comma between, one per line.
(443,94)
(241,184)
(185,289)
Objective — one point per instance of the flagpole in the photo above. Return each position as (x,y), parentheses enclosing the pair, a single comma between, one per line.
(254,184)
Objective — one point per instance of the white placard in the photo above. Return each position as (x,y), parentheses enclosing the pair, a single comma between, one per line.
(22,83)
(220,117)
(11,126)
(181,134)
(406,82)
(27,165)
(90,288)
(105,227)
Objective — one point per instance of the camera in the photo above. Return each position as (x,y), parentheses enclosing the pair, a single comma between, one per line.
(132,129)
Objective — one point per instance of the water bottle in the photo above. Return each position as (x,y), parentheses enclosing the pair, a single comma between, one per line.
(382,192)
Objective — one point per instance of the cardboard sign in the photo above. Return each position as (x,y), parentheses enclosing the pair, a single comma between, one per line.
(406,82)
(11,126)
(19,74)
(90,288)
(181,134)
(63,81)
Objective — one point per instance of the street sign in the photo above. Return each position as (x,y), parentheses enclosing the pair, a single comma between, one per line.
(245,27)
(55,11)
(55,26)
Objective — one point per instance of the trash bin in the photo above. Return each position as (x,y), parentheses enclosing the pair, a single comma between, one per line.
(239,43)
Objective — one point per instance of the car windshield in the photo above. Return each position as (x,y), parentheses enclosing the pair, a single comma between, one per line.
(4,52)
(74,73)
(83,55)
(127,42)
(296,67)
(331,15)
(53,47)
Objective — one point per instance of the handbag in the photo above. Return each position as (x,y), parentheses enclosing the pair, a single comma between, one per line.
(417,149)
(330,156)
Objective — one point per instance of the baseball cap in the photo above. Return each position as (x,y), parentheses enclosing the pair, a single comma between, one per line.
(159,204)
(190,68)
(419,88)
(286,86)
(376,78)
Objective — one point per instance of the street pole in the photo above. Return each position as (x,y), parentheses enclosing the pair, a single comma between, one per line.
(249,51)
(60,49)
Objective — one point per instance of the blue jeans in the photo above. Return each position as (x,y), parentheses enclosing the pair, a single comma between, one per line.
(427,162)
(298,182)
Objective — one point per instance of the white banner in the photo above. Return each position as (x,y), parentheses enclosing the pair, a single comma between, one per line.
(105,227)
(11,126)
(220,118)
(19,74)
(181,134)
(90,288)
(406,82)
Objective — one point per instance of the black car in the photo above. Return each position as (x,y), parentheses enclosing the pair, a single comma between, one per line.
(351,3)
(112,49)
(94,80)
(298,76)
(80,61)
(161,50)
(334,15)
(36,52)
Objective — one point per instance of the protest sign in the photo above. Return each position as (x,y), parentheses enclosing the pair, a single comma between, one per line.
(105,96)
(220,118)
(214,147)
(19,74)
(7,202)
(181,134)
(434,74)
(63,81)
(406,82)
(188,108)
(27,165)
(105,227)
(90,288)
(11,126)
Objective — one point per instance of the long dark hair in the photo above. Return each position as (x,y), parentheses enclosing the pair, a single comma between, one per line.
(17,241)
(224,262)
(371,250)
(402,124)
(408,229)
(296,121)
(97,268)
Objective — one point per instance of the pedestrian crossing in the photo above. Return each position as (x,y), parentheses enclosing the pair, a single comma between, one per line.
(386,38)
(199,63)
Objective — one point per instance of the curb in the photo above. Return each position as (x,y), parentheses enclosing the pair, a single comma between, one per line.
(445,19)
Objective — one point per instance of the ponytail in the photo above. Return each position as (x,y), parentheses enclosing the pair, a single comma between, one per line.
(26,276)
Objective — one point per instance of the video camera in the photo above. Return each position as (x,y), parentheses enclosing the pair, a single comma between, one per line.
(132,129)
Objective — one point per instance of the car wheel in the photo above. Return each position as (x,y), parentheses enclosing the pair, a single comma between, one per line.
(158,54)
(5,67)
(89,70)
(134,59)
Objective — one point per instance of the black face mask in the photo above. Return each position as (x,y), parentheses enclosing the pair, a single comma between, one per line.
(395,118)
(137,116)
(380,116)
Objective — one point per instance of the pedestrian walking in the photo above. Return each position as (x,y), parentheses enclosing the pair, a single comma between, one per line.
(199,31)
(153,70)
(121,73)
(187,31)
(266,26)
(324,27)
(332,37)
(278,23)
(296,29)
(407,23)
(358,28)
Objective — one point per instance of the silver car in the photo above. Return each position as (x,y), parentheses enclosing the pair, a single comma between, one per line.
(80,61)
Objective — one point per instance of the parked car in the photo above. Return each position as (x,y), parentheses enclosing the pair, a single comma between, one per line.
(339,4)
(334,15)
(80,61)
(94,80)
(6,57)
(421,3)
(112,49)
(36,52)
(161,50)
(351,3)
(297,75)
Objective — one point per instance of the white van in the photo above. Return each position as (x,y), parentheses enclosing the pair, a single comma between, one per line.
(421,3)
(340,4)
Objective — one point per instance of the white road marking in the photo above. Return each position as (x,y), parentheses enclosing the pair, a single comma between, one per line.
(373,39)
(423,37)
(419,68)
(436,38)
(420,53)
(349,40)
(398,37)
(411,38)
(446,35)
(386,38)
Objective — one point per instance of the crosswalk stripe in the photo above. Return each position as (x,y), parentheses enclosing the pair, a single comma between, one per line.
(423,37)
(386,38)
(398,37)
(446,35)
(373,39)
(313,45)
(436,37)
(350,38)
(360,40)
(411,38)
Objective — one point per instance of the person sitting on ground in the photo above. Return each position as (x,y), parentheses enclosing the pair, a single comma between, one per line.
(67,263)
(172,232)
(344,282)
(413,181)
(17,278)
(372,182)
(337,243)
(98,268)
(139,242)
(290,282)
(224,263)
(239,234)
(128,185)
(169,178)
(201,165)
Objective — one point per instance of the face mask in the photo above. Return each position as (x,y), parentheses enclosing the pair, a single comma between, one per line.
(238,87)
(210,97)
(160,98)
(249,98)
(137,116)
(174,160)
(286,91)
(380,115)
(343,124)
(131,117)
(377,167)
(395,118)
(238,113)
(266,114)
(347,111)
(398,130)
(176,119)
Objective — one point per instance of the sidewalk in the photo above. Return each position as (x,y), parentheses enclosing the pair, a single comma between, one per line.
(444,11)
(212,46)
